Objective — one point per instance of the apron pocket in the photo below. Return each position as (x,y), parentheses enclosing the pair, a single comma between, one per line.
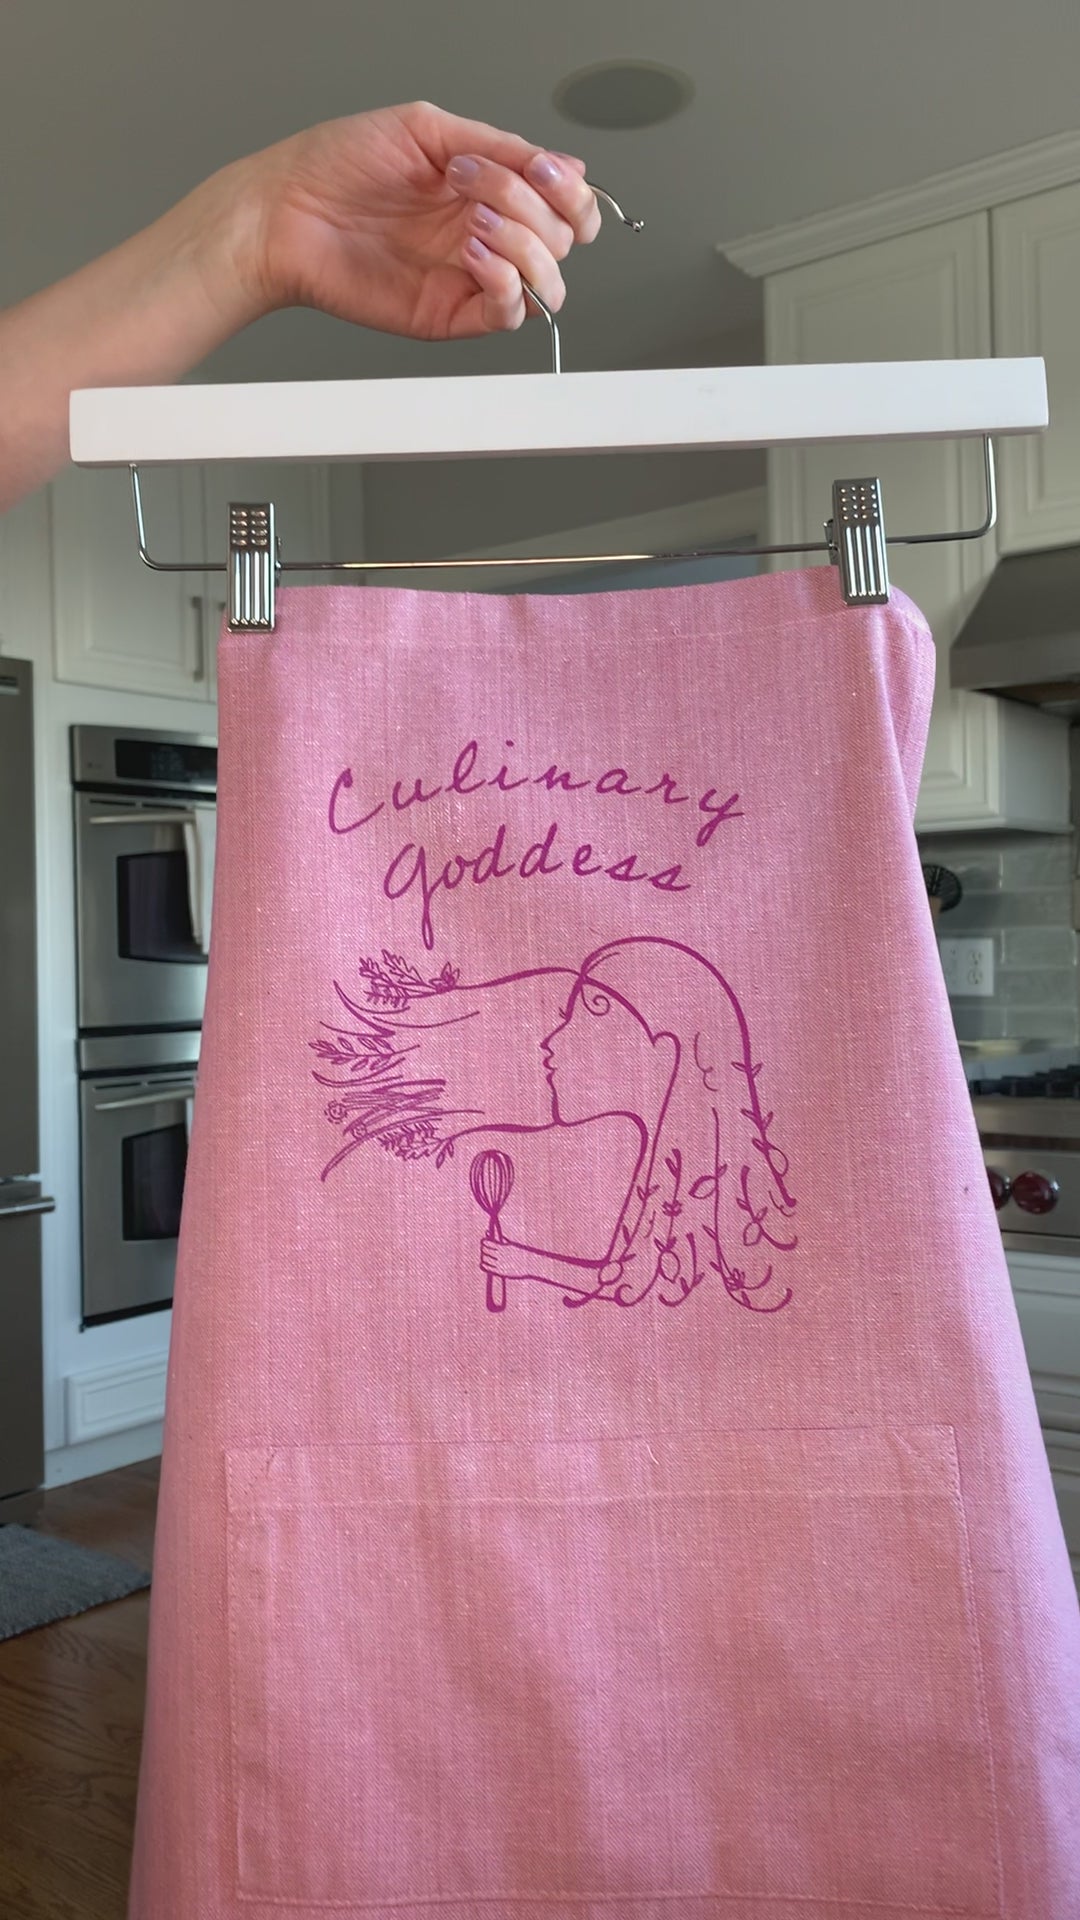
(739,1664)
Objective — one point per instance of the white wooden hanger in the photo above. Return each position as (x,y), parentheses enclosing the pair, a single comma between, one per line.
(650,410)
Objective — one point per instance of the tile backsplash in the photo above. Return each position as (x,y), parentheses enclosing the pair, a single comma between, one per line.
(1018,892)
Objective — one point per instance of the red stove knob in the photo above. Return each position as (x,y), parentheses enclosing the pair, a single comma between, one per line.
(1035,1192)
(1000,1186)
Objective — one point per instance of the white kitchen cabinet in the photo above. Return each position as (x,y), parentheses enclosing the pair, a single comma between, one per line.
(1036,299)
(118,624)
(115,623)
(993,763)
(921,296)
(1063,1453)
(1046,1288)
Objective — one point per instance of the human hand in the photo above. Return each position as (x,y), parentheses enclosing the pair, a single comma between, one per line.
(364,218)
(501,1257)
(381,220)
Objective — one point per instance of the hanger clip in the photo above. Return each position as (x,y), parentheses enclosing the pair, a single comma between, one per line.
(856,540)
(253,566)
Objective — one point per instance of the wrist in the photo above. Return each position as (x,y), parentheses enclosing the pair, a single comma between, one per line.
(214,240)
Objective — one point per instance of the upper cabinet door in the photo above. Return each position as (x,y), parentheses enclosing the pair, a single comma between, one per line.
(300,493)
(117,624)
(922,296)
(1036,250)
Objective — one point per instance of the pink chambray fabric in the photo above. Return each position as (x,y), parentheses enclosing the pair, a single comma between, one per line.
(601,1475)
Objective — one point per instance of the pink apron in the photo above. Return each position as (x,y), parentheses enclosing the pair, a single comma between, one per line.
(601,1476)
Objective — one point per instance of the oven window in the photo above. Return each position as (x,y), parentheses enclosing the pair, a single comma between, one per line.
(153,1181)
(153,908)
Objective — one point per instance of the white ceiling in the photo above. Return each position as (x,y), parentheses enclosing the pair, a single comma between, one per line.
(110,109)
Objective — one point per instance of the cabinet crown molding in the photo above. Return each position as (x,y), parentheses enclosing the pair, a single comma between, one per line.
(992,182)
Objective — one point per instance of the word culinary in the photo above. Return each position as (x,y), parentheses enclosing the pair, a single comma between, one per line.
(418,872)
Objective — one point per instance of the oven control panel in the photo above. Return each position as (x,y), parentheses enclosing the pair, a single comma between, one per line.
(144,759)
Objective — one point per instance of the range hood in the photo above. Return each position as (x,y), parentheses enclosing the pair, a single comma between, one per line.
(1022,638)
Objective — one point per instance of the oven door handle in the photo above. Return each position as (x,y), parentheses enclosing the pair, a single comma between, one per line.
(9,1209)
(174,817)
(173,1090)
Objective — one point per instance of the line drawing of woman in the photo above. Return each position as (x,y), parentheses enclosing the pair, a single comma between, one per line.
(651,1045)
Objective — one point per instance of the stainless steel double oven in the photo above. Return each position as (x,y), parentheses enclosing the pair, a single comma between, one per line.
(139,795)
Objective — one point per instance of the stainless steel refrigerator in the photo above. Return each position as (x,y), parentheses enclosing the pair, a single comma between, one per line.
(22,1203)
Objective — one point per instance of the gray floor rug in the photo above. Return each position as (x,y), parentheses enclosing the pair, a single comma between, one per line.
(43,1579)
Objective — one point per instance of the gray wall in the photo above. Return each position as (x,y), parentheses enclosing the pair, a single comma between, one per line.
(427,508)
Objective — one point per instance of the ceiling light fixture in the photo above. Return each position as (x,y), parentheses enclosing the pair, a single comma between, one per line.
(623,94)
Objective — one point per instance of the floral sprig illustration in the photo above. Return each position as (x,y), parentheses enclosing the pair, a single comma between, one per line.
(362,1052)
(373,1099)
(394,984)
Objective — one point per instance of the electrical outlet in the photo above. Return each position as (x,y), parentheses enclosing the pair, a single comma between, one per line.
(968,966)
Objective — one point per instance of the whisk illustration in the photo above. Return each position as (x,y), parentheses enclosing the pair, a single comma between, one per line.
(491,1177)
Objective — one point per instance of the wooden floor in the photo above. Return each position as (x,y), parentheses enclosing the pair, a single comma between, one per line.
(71,1712)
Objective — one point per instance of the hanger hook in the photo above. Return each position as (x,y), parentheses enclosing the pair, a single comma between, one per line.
(635,226)
(553,326)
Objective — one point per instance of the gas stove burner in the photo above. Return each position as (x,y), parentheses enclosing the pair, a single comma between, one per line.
(1057,1083)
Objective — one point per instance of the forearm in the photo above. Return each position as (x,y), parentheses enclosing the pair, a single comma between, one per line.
(145,313)
(561,1269)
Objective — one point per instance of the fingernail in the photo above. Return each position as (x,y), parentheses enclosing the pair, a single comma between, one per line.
(462,170)
(486,218)
(544,170)
(476,251)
